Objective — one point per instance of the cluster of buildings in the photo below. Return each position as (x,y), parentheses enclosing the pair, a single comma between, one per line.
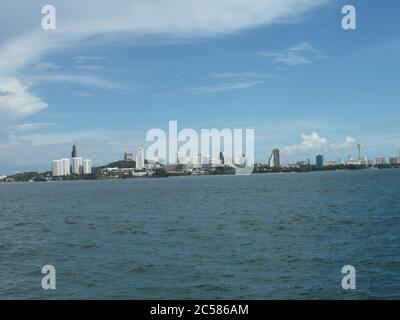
(75,165)
(202,164)
(275,158)
(390,160)
(184,164)
(361,161)
(140,163)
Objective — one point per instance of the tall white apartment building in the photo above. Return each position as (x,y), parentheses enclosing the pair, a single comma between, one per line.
(57,168)
(65,167)
(140,158)
(76,165)
(87,166)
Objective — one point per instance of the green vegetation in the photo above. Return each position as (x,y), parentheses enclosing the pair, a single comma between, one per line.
(30,176)
(120,165)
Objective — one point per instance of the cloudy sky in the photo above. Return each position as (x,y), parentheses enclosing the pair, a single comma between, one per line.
(109,73)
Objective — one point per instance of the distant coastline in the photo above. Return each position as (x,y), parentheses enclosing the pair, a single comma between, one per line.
(122,173)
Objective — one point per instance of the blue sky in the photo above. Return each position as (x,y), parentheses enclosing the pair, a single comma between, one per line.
(292,73)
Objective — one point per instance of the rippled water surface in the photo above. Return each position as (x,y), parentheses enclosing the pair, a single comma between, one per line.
(273,236)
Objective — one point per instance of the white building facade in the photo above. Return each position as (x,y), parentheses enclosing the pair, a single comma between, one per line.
(66,167)
(140,158)
(87,166)
(76,165)
(57,168)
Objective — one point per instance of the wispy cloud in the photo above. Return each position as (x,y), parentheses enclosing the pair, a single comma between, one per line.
(237,81)
(86,59)
(82,94)
(91,67)
(174,19)
(79,79)
(240,76)
(29,126)
(45,66)
(222,87)
(301,53)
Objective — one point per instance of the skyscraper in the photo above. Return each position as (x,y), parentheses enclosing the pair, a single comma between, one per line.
(74,153)
(274,160)
(221,158)
(319,160)
(140,158)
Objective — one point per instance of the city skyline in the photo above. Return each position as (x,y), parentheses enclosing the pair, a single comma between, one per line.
(274,159)
(303,91)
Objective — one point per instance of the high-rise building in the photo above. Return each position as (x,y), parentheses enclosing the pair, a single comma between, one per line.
(61,168)
(87,166)
(74,153)
(221,158)
(57,168)
(140,158)
(274,160)
(319,160)
(66,168)
(76,165)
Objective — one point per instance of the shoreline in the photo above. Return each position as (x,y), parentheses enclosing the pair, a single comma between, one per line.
(368,169)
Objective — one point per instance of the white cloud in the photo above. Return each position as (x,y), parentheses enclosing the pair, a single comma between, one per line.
(314,142)
(16,101)
(175,18)
(24,42)
(349,142)
(301,53)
